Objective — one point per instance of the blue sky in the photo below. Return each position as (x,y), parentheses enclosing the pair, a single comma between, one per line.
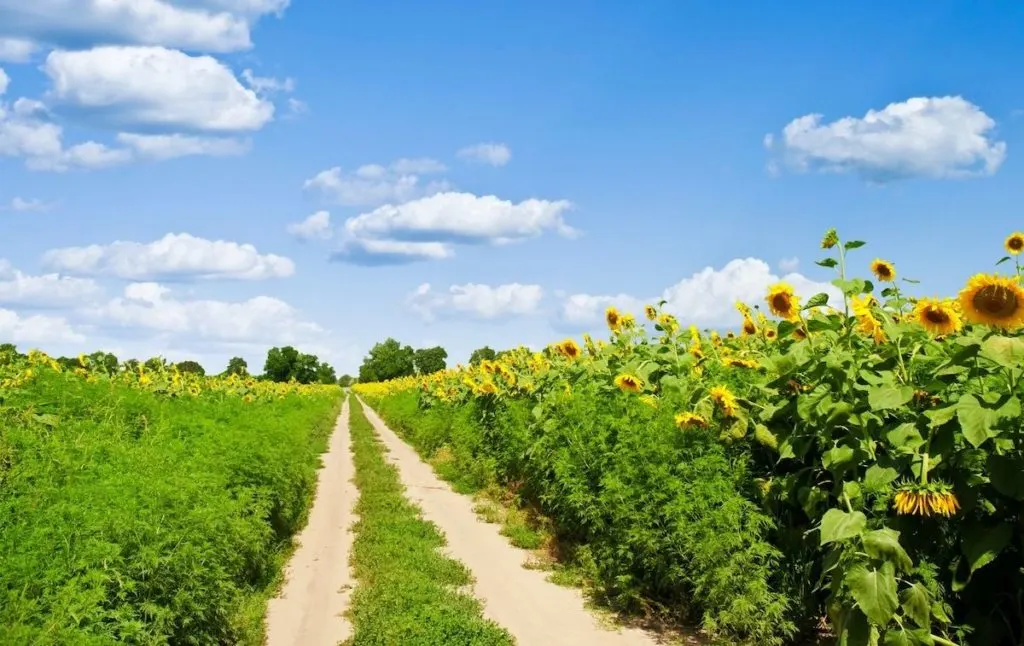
(206,178)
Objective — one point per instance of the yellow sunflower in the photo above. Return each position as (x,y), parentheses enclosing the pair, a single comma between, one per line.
(569,349)
(690,420)
(770,333)
(629,383)
(749,329)
(725,399)
(649,400)
(1015,242)
(613,318)
(800,333)
(738,362)
(993,300)
(926,500)
(668,323)
(783,302)
(883,270)
(650,312)
(938,316)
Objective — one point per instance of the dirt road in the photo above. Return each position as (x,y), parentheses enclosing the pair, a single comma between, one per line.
(535,611)
(318,584)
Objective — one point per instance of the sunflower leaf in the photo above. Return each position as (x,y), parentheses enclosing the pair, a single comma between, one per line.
(1006,351)
(818,300)
(854,244)
(874,590)
(1002,260)
(827,262)
(838,525)
(982,544)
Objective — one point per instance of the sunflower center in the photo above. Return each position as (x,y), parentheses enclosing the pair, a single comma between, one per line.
(781,302)
(996,301)
(936,316)
(883,271)
(1016,244)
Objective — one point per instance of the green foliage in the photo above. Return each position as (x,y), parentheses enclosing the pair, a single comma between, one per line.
(237,366)
(408,591)
(191,366)
(286,363)
(345,380)
(485,353)
(325,374)
(131,517)
(430,360)
(388,359)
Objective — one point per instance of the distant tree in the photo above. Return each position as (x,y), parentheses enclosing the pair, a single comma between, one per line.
(430,360)
(68,363)
(481,354)
(191,366)
(280,363)
(388,359)
(237,366)
(325,374)
(345,380)
(131,365)
(106,362)
(155,363)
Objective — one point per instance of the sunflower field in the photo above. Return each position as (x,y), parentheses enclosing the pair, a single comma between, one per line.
(849,470)
(148,506)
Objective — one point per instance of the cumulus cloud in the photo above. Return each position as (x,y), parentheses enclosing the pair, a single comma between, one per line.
(156,87)
(44,291)
(17,328)
(17,50)
(487,153)
(705,299)
(315,227)
(478,301)
(375,184)
(175,256)
(936,137)
(789,265)
(201,25)
(23,205)
(152,308)
(161,147)
(267,84)
(390,252)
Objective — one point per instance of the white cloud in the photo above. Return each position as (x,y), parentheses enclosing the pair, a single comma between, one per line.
(5,81)
(162,147)
(789,265)
(25,132)
(180,256)
(202,25)
(375,184)
(16,50)
(156,87)
(316,226)
(706,299)
(487,153)
(16,328)
(47,290)
(152,308)
(938,137)
(21,204)
(479,301)
(267,84)
(390,252)
(448,218)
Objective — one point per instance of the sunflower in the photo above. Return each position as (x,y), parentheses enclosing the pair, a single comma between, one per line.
(883,270)
(770,333)
(783,302)
(613,318)
(696,351)
(650,312)
(690,420)
(628,321)
(800,333)
(738,362)
(668,323)
(938,316)
(569,349)
(629,383)
(993,300)
(1015,242)
(749,329)
(649,400)
(487,388)
(830,240)
(926,500)
(725,399)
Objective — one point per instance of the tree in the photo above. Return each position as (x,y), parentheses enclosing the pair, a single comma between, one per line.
(106,362)
(155,363)
(280,363)
(191,366)
(237,366)
(325,374)
(481,354)
(430,360)
(345,381)
(388,359)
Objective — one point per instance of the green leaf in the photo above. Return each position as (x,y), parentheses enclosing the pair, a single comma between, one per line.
(982,544)
(854,244)
(886,397)
(1005,350)
(1002,260)
(853,629)
(1005,473)
(904,637)
(916,604)
(874,590)
(827,262)
(878,477)
(838,525)
(818,300)
(905,438)
(837,457)
(884,544)
(975,421)
(939,416)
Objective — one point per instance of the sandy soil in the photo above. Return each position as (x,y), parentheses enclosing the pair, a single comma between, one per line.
(318,583)
(535,611)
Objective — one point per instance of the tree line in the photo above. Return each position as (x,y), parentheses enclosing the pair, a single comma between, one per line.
(389,359)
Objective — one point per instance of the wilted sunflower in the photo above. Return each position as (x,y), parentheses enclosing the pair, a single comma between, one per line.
(629,383)
(1015,242)
(650,312)
(830,240)
(883,270)
(993,300)
(690,420)
(613,318)
(783,301)
(938,316)
(725,399)
(926,500)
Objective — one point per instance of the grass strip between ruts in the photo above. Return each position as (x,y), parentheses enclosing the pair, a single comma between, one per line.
(407,591)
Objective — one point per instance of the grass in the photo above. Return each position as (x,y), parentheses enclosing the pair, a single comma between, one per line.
(408,593)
